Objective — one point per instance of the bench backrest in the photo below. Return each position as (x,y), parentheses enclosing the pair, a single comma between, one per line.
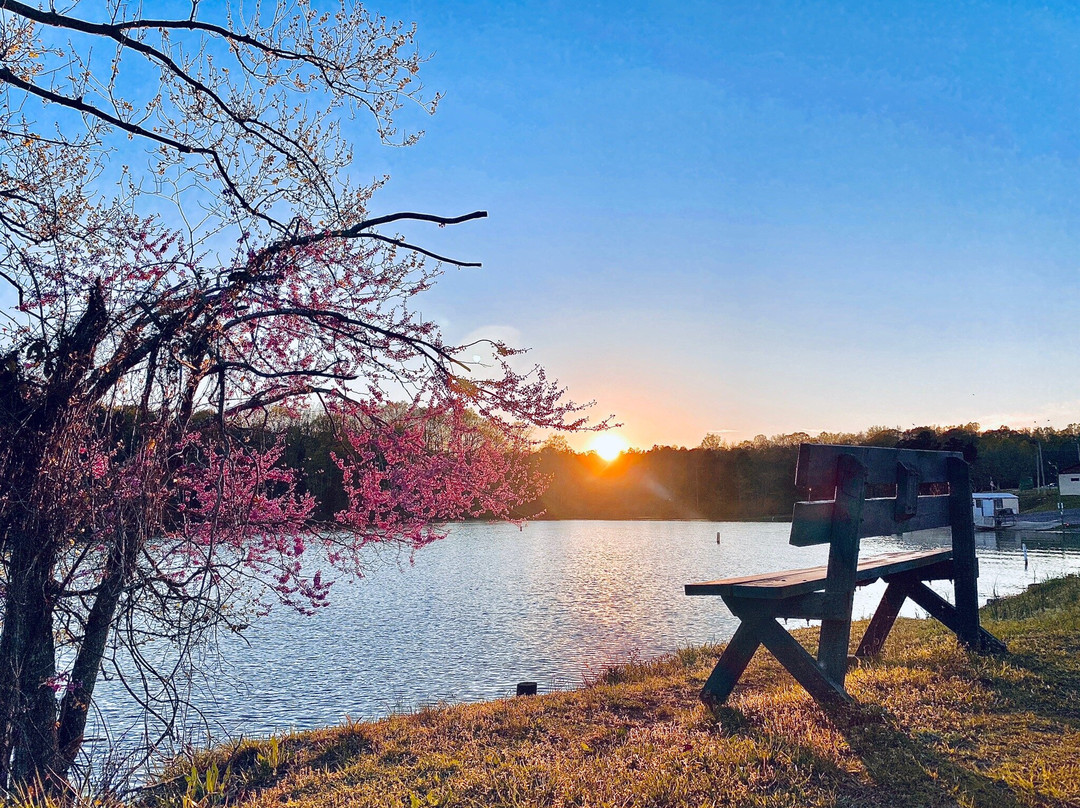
(839,512)
(902,511)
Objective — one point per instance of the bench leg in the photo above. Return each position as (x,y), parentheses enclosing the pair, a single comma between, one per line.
(965,566)
(940,609)
(882,622)
(833,646)
(843,564)
(732,663)
(799,663)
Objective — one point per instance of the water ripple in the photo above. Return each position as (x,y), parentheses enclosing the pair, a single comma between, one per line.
(492,605)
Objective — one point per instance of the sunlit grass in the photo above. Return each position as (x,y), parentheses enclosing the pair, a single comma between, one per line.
(934,726)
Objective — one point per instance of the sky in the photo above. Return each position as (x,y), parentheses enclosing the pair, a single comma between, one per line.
(757,218)
(760,218)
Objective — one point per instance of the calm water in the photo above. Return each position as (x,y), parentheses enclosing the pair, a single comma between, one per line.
(554,602)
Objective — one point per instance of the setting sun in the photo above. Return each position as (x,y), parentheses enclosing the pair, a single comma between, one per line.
(609,445)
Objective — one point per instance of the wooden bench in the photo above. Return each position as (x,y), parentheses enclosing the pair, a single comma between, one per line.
(839,511)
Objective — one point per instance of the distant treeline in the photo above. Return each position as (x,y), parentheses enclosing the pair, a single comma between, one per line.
(748,480)
(756,479)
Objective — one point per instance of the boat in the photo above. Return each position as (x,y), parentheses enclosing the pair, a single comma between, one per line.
(993,510)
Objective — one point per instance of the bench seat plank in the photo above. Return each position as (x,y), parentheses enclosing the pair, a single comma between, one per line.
(789,583)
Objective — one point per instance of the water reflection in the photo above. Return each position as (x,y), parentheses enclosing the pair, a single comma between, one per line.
(555,602)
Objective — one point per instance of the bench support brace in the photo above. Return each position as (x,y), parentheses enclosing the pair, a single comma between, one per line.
(736,657)
(882,622)
(806,670)
(755,630)
(941,609)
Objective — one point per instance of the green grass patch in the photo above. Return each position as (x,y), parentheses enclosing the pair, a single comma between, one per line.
(1042,501)
(934,726)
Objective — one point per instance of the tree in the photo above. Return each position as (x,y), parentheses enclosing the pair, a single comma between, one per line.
(712,441)
(160,330)
(557,443)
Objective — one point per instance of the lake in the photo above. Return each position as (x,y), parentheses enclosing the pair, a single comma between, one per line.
(552,602)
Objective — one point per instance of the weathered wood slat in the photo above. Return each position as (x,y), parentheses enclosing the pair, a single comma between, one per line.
(812,606)
(907,492)
(811,522)
(939,571)
(817,465)
(790,583)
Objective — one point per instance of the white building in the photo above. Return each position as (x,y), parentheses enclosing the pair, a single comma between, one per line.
(993,510)
(1069,482)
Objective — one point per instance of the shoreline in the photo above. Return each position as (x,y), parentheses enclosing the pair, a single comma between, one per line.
(934,726)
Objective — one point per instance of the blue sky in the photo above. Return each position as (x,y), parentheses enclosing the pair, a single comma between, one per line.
(763,218)
(758,217)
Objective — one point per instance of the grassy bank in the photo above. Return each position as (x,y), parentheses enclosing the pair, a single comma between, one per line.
(934,726)
(1043,501)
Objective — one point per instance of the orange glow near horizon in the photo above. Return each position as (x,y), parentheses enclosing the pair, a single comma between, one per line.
(609,445)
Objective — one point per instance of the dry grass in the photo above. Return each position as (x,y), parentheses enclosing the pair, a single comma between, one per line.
(935,726)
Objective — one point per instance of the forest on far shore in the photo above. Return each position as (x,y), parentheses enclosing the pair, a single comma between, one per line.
(718,481)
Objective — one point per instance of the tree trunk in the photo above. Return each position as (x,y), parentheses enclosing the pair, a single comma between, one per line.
(76,704)
(28,741)
(37,424)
